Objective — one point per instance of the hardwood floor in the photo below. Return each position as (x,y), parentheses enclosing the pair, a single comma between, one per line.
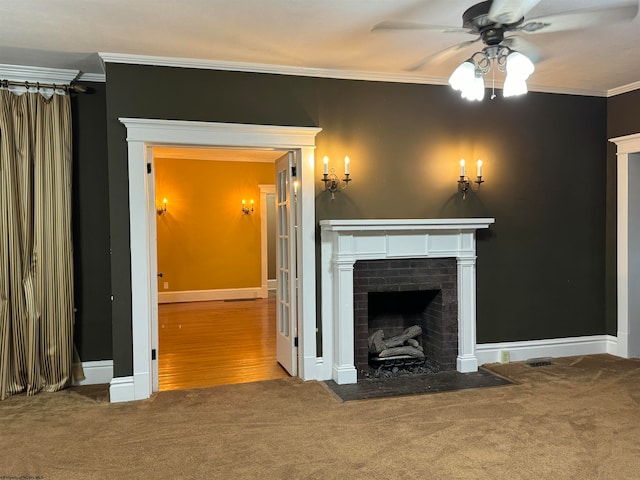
(203,344)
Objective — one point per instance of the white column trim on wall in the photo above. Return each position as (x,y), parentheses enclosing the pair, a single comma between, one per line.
(626,145)
(144,133)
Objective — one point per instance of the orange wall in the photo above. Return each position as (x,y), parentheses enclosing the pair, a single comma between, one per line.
(204,240)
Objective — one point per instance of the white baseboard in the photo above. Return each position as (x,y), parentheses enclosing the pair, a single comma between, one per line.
(96,372)
(208,295)
(271,284)
(554,347)
(520,351)
(122,389)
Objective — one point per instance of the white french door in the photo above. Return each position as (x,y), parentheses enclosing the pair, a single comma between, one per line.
(286,293)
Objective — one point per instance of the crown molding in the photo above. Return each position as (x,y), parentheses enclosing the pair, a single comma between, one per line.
(268,68)
(623,89)
(92,77)
(22,73)
(311,72)
(567,91)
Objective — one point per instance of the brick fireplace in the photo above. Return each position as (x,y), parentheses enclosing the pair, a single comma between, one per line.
(394,294)
(417,253)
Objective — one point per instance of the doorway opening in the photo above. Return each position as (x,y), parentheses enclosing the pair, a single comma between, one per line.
(142,136)
(216,320)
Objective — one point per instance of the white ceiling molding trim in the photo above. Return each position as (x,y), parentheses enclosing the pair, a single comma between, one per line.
(21,73)
(267,68)
(93,77)
(566,91)
(623,89)
(309,72)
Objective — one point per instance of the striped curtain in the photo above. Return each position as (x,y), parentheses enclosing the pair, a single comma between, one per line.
(36,269)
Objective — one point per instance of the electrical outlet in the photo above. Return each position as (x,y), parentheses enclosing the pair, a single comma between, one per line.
(166,285)
(504,356)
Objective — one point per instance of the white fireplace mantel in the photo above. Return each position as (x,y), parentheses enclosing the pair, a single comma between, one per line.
(346,241)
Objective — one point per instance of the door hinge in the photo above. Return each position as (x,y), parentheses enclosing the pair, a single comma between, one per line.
(295,342)
(293,171)
(153,354)
(149,167)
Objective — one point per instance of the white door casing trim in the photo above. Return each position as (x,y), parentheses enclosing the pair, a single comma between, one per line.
(626,145)
(144,133)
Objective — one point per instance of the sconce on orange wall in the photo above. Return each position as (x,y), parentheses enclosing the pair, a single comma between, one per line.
(247,210)
(163,208)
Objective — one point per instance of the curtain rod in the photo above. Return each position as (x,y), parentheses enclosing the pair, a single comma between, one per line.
(38,86)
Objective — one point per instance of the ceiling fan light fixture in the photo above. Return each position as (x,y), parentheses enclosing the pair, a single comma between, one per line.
(513,86)
(475,90)
(463,76)
(519,65)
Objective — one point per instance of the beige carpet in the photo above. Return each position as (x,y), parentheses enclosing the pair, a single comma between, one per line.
(577,419)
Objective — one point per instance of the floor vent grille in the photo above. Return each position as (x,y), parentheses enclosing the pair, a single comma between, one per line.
(538,362)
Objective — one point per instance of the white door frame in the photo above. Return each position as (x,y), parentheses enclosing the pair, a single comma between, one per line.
(628,325)
(145,133)
(264,253)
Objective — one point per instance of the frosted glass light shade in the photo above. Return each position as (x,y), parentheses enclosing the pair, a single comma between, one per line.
(462,77)
(519,66)
(475,91)
(513,86)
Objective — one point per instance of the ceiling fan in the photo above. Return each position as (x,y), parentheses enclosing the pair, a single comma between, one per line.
(490,21)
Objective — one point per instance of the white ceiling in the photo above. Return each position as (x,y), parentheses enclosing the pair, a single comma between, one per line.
(317,34)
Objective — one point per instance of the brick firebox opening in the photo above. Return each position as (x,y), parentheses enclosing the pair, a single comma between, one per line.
(429,282)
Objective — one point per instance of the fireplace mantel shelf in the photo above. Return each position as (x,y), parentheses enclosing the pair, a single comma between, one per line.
(346,241)
(407,224)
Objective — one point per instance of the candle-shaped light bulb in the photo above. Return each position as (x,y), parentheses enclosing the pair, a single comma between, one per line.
(252,202)
(346,165)
(243,202)
(479,168)
(462,174)
(325,160)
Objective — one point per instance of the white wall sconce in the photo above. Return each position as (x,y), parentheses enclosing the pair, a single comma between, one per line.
(245,209)
(464,184)
(331,181)
(163,208)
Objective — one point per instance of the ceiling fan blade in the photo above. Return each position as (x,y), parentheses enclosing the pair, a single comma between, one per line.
(510,11)
(400,25)
(580,19)
(521,45)
(442,54)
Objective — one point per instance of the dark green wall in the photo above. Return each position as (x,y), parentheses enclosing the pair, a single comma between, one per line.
(90,225)
(541,267)
(623,118)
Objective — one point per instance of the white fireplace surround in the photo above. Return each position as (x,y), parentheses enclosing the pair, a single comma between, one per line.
(346,241)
